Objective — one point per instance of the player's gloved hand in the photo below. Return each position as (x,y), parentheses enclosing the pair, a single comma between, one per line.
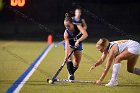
(77,43)
(98,82)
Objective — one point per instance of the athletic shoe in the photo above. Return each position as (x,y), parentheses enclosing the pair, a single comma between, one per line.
(71,77)
(112,83)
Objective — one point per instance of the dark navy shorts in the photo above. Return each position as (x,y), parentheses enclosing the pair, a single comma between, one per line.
(78,48)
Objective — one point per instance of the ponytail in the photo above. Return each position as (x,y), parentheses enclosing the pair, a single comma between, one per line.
(68,17)
(103,42)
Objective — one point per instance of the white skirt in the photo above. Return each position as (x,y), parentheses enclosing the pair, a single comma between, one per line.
(133,47)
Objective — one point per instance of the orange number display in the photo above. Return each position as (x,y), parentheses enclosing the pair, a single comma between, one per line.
(19,3)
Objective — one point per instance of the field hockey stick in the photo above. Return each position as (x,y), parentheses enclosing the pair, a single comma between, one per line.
(59,43)
(54,78)
(73,81)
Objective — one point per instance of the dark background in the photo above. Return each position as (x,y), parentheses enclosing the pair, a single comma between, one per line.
(114,19)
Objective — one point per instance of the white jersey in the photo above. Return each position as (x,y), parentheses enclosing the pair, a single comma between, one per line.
(132,46)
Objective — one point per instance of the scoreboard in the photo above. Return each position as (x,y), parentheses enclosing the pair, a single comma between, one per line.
(19,3)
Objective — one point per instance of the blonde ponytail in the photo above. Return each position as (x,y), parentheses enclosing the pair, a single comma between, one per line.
(103,42)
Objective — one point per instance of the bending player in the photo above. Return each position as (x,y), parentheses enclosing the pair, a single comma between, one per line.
(73,36)
(117,51)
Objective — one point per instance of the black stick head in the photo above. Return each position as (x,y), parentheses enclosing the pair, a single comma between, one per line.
(47,80)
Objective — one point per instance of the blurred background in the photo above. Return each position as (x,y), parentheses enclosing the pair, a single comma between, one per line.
(114,19)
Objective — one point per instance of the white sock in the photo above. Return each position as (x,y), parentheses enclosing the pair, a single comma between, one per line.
(136,71)
(115,72)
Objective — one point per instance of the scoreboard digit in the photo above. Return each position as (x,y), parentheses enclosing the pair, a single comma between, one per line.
(19,3)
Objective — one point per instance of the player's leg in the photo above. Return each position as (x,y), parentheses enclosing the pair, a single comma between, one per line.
(116,67)
(77,59)
(75,64)
(131,65)
(70,67)
(135,49)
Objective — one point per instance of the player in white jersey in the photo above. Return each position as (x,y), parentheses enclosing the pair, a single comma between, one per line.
(117,51)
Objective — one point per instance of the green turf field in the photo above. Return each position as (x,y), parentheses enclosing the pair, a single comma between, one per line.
(16,57)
